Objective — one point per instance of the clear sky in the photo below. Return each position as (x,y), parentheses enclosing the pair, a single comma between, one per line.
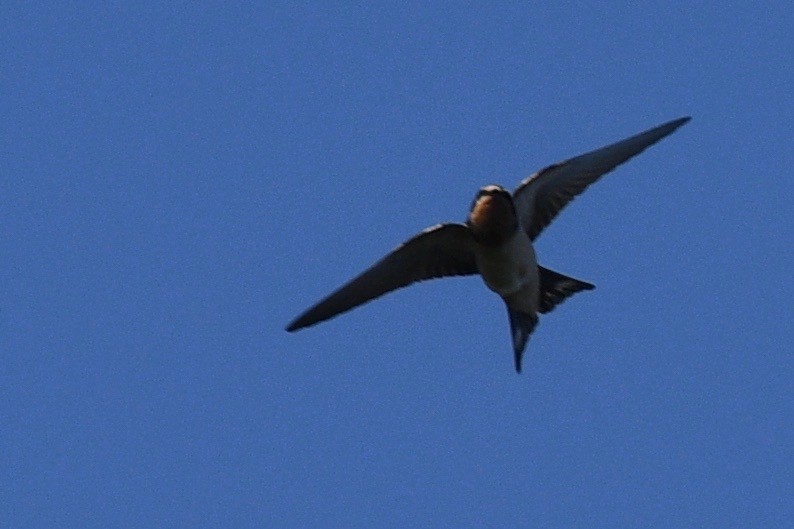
(177,183)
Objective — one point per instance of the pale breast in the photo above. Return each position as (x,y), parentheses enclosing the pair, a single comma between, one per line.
(508,268)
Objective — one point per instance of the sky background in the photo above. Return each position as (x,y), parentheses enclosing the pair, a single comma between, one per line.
(177,182)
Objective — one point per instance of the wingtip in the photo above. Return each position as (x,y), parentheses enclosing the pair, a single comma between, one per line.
(680,121)
(668,128)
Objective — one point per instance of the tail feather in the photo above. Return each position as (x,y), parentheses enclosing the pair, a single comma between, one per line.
(521,326)
(555,288)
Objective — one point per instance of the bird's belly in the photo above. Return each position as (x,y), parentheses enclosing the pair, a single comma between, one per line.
(510,267)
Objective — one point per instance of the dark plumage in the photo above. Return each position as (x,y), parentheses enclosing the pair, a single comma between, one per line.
(495,242)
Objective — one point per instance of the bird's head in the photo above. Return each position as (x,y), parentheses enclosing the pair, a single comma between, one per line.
(492,217)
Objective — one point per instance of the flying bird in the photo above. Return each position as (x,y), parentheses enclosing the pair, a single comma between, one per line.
(495,242)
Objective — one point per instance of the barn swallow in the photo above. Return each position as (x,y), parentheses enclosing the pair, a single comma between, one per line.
(495,242)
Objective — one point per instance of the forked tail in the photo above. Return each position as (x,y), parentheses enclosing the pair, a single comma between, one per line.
(521,326)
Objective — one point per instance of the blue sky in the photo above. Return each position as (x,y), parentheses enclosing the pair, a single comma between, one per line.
(177,183)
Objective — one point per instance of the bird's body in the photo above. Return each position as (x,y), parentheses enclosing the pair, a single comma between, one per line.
(510,268)
(496,242)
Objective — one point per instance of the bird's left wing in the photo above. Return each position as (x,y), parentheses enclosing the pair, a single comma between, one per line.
(439,251)
(539,198)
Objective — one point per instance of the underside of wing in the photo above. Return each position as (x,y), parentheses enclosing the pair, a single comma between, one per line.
(439,251)
(542,196)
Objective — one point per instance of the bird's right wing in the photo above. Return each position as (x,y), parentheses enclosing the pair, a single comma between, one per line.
(540,197)
(439,251)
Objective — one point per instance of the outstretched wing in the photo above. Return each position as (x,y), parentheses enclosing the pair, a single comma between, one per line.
(539,198)
(439,251)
